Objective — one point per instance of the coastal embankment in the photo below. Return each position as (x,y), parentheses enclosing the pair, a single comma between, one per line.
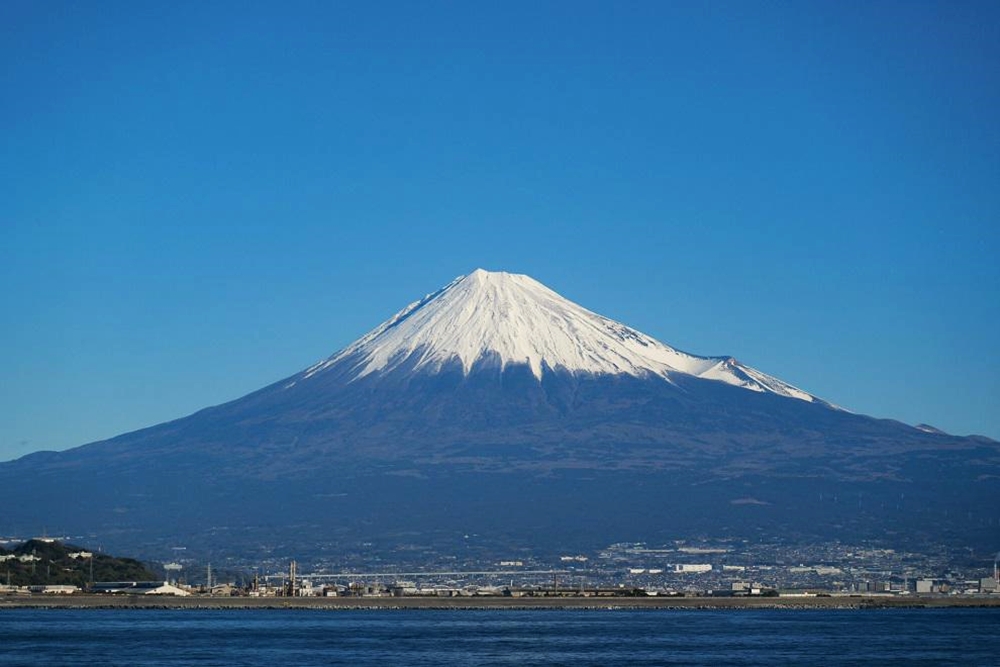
(84,601)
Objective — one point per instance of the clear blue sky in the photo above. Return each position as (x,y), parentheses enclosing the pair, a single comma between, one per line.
(200,198)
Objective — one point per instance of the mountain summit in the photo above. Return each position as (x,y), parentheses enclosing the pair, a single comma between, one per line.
(492,320)
(494,408)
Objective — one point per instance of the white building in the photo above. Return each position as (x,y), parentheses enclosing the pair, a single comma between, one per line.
(138,588)
(692,568)
(55,589)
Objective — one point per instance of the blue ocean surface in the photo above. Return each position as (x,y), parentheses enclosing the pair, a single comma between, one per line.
(499,637)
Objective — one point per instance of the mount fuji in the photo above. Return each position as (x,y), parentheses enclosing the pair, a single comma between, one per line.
(495,407)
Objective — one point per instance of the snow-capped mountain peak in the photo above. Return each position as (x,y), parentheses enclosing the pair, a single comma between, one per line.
(501,319)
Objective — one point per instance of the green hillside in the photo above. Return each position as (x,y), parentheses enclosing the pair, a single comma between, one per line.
(45,562)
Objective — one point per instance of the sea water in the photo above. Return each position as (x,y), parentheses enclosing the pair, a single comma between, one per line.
(578,638)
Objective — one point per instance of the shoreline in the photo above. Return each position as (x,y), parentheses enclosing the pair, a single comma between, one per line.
(84,601)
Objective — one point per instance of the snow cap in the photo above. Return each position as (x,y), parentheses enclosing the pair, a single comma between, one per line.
(497,318)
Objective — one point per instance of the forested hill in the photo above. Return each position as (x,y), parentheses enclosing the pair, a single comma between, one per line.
(48,562)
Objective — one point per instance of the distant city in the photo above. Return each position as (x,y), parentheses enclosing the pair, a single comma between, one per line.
(710,567)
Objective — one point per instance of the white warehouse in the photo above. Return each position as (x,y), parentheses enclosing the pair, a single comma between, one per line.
(692,568)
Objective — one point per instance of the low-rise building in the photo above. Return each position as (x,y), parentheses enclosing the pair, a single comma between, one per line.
(692,568)
(137,588)
(55,589)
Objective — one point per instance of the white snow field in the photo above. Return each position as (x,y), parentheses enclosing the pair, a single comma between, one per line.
(505,318)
